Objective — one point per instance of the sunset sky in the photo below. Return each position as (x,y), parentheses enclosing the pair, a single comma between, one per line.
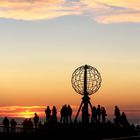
(43,41)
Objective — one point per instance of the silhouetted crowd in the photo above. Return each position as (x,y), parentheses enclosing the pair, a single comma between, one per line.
(6,124)
(98,116)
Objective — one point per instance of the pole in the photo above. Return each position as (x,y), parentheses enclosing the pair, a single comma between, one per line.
(85,116)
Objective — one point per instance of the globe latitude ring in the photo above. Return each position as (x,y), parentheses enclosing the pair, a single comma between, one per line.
(93,79)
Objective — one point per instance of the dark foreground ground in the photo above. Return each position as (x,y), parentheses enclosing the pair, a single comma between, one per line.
(72,132)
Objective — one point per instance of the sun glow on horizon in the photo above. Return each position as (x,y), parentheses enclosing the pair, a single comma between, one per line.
(21,111)
(26,114)
(29,111)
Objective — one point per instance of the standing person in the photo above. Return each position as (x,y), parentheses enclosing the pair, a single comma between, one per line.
(36,120)
(54,114)
(103,113)
(94,115)
(69,110)
(65,113)
(13,125)
(48,113)
(30,126)
(123,120)
(6,124)
(98,113)
(24,124)
(62,114)
(117,115)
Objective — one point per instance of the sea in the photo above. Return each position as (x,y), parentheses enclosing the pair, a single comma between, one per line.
(132,120)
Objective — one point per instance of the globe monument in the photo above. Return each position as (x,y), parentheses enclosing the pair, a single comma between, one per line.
(86,80)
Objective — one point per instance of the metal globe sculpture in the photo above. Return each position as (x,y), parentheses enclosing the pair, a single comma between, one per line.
(93,79)
(86,80)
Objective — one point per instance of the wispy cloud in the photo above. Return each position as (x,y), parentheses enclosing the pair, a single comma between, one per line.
(119,18)
(36,9)
(111,11)
(101,11)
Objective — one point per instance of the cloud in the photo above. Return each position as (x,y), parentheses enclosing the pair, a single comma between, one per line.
(119,18)
(36,9)
(131,4)
(111,11)
(101,11)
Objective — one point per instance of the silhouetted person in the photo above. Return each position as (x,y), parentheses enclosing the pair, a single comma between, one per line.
(117,115)
(30,126)
(98,113)
(13,125)
(36,120)
(103,113)
(24,124)
(94,115)
(69,111)
(6,125)
(123,120)
(48,113)
(64,114)
(54,114)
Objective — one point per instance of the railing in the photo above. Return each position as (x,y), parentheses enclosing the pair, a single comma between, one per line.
(18,129)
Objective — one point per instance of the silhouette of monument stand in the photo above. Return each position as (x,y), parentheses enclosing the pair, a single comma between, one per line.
(86,80)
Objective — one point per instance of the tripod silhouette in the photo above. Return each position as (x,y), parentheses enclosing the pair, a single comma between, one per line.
(85,102)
